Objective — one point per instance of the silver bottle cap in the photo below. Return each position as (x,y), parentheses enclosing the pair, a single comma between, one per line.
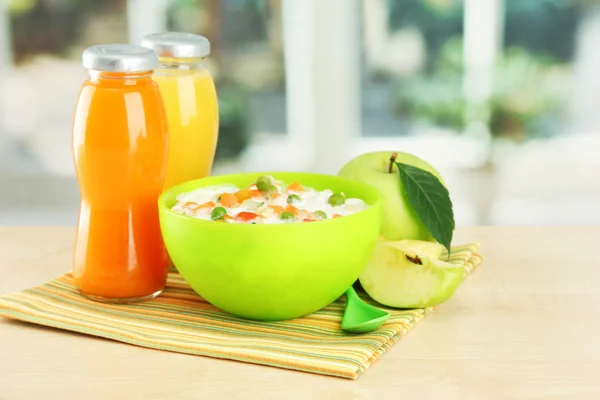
(177,44)
(119,58)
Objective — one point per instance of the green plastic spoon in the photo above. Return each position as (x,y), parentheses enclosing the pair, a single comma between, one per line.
(360,317)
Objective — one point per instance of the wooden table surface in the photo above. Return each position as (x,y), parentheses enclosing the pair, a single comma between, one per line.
(524,326)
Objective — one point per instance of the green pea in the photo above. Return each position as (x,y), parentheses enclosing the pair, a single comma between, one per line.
(320,214)
(218,213)
(263,183)
(337,199)
(287,216)
(293,197)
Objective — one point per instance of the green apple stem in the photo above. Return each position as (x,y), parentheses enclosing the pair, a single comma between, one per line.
(392,160)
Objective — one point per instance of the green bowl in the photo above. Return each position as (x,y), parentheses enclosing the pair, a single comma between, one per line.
(272,272)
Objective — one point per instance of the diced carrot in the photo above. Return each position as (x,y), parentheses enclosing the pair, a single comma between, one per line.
(208,204)
(295,187)
(292,209)
(336,216)
(228,217)
(246,216)
(256,194)
(275,195)
(278,209)
(242,195)
(228,200)
(190,204)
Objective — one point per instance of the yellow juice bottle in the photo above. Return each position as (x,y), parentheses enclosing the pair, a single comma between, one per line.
(190,100)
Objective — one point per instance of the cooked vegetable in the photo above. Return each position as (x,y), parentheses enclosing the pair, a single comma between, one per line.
(287,216)
(242,195)
(264,183)
(320,214)
(246,216)
(218,213)
(295,187)
(337,199)
(228,200)
(292,198)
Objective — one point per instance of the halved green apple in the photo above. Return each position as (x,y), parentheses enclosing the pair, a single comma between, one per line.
(410,274)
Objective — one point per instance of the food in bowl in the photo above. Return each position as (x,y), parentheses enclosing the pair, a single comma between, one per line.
(271,272)
(266,201)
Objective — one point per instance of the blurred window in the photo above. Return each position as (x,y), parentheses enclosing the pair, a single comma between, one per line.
(492,92)
(46,38)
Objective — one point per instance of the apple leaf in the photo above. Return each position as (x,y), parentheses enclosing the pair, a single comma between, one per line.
(430,200)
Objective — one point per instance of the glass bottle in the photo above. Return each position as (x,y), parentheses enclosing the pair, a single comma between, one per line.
(190,99)
(120,145)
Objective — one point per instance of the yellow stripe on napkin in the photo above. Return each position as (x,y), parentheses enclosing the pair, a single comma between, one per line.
(180,321)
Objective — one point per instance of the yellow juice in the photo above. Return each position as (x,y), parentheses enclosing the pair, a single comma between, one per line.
(190,101)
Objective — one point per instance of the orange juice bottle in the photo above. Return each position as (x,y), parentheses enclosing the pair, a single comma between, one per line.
(120,145)
(190,100)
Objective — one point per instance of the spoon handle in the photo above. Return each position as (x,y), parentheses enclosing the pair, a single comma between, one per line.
(352,295)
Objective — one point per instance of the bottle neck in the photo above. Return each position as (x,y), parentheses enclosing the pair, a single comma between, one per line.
(120,78)
(180,64)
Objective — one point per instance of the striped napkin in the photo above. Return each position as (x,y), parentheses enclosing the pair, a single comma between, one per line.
(180,321)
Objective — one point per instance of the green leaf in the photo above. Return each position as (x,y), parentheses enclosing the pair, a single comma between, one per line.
(430,200)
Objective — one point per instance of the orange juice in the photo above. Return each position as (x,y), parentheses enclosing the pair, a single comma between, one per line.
(120,145)
(192,114)
(190,101)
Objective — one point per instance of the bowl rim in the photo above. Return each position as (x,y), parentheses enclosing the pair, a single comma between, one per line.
(374,192)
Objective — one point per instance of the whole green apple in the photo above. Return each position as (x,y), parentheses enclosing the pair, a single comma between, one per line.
(400,222)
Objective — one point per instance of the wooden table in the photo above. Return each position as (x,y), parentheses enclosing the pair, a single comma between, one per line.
(526,325)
